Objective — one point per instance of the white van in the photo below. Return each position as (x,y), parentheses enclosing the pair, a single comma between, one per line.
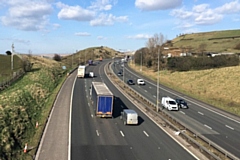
(169,103)
(140,82)
(91,74)
(129,116)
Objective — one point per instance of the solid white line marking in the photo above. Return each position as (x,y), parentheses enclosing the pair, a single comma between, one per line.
(192,102)
(145,133)
(182,112)
(122,133)
(207,126)
(145,90)
(97,132)
(229,127)
(200,113)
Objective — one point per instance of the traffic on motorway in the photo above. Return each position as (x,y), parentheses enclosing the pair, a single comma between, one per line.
(101,132)
(221,128)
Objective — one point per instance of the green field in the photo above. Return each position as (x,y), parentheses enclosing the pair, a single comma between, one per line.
(216,41)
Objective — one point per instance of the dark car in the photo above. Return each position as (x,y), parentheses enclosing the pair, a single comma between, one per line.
(181,103)
(130,82)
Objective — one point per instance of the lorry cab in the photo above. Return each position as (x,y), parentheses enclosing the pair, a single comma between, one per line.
(129,116)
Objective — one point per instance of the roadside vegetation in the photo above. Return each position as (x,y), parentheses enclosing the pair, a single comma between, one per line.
(25,104)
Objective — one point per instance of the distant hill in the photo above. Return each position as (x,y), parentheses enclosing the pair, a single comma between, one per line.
(93,53)
(215,41)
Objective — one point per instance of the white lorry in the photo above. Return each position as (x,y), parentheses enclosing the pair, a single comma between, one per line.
(81,71)
(129,116)
(169,103)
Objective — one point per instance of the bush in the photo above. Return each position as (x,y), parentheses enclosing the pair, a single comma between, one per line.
(199,63)
(9,53)
(57,57)
(237,46)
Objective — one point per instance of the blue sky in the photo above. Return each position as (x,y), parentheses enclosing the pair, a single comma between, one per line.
(49,26)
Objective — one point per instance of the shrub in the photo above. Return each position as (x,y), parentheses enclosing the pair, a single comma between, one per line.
(57,57)
(199,63)
(237,46)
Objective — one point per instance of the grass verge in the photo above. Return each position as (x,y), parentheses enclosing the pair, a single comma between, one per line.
(218,87)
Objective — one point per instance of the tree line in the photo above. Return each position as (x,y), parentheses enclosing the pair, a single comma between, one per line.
(151,57)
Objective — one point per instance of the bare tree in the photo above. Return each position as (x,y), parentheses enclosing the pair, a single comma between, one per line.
(156,41)
(155,47)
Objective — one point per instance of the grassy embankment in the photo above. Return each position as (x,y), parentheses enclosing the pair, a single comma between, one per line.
(30,99)
(218,87)
(26,102)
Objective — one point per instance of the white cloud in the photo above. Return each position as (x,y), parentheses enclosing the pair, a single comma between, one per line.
(208,17)
(140,36)
(229,8)
(102,5)
(204,15)
(22,41)
(107,19)
(74,13)
(55,25)
(150,5)
(101,37)
(82,34)
(93,13)
(200,8)
(27,15)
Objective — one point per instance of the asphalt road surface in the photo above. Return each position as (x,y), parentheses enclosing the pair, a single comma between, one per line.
(108,138)
(220,127)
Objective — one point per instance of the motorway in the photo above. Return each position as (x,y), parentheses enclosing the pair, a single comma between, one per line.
(220,127)
(108,138)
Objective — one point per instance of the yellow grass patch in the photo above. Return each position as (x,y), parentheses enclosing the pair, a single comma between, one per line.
(219,87)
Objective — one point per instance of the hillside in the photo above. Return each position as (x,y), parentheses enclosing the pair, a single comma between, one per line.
(93,53)
(215,41)
(26,102)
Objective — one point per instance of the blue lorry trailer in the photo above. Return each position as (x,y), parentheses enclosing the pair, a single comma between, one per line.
(102,99)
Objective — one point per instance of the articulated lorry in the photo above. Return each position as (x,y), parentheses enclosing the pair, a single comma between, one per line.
(81,71)
(102,99)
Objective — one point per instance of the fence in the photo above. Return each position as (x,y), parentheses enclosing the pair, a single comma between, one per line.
(10,79)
